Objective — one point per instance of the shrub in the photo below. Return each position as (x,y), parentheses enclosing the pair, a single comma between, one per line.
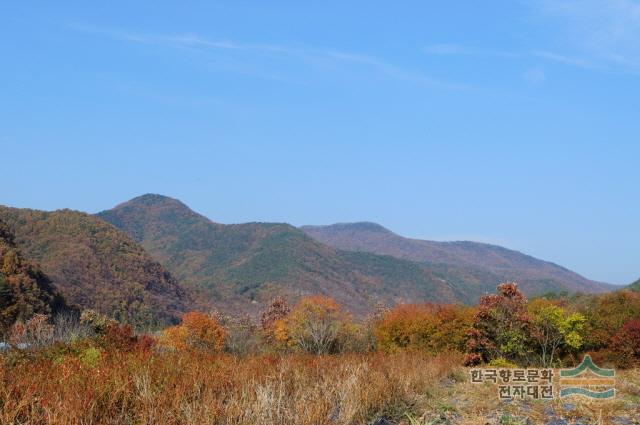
(315,325)
(119,337)
(37,332)
(242,337)
(18,334)
(607,314)
(69,328)
(90,357)
(357,337)
(277,310)
(501,327)
(145,343)
(197,331)
(98,323)
(625,344)
(502,363)
(428,327)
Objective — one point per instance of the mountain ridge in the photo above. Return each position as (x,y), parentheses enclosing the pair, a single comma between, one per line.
(250,262)
(240,266)
(508,264)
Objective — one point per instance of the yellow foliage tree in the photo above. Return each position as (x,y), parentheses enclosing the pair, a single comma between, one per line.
(314,325)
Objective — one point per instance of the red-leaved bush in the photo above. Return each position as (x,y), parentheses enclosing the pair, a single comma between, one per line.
(625,345)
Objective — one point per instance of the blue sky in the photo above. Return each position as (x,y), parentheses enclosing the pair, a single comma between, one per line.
(511,122)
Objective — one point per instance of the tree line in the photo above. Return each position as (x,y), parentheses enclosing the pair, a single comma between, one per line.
(504,329)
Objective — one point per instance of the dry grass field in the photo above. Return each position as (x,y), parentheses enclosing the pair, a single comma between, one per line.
(150,387)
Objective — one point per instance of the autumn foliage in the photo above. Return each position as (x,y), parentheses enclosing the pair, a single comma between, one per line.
(197,331)
(501,326)
(555,331)
(299,364)
(271,319)
(303,364)
(24,289)
(607,314)
(625,344)
(315,325)
(427,327)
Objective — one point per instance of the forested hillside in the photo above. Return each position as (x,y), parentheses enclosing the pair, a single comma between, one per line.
(115,262)
(241,266)
(532,274)
(24,289)
(96,266)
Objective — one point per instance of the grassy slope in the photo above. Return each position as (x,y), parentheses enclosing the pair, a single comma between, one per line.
(97,266)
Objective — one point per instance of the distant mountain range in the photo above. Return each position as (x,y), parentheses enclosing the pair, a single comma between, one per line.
(533,275)
(149,259)
(241,266)
(635,286)
(360,264)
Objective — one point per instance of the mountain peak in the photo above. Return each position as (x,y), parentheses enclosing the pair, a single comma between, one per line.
(145,213)
(153,199)
(159,207)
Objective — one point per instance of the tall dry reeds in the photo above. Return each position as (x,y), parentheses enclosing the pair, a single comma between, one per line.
(195,388)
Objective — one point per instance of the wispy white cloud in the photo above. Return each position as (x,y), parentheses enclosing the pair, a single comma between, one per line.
(563,59)
(174,40)
(458,50)
(307,54)
(606,30)
(388,69)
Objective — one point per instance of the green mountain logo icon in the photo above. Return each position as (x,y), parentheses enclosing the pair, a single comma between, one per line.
(598,384)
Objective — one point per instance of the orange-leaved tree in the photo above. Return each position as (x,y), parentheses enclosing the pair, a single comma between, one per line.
(428,327)
(196,331)
(315,325)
